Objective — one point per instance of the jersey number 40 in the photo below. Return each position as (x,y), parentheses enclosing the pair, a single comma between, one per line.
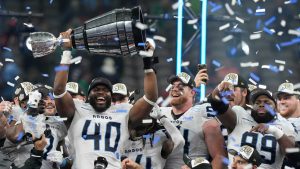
(97,136)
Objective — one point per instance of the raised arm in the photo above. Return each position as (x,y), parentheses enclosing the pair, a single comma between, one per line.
(63,100)
(144,105)
(218,102)
(215,143)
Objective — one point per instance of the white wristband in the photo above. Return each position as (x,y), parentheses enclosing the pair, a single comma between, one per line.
(276,132)
(148,70)
(59,96)
(66,57)
(149,101)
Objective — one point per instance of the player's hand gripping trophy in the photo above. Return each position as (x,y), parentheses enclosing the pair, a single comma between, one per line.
(114,33)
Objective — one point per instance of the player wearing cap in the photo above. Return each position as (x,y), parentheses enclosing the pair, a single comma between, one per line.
(288,105)
(120,93)
(76,92)
(246,157)
(270,140)
(93,128)
(202,136)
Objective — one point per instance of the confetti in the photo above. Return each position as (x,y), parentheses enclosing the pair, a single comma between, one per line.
(61,68)
(159,100)
(270,109)
(245,47)
(224,100)
(1,64)
(283,23)
(155,140)
(147,121)
(228,9)
(262,86)
(233,51)
(249,11)
(227,25)
(216,63)
(239,19)
(255,77)
(141,44)
(159,38)
(280,61)
(9,60)
(20,135)
(166,102)
(7,49)
(10,84)
(290,71)
(255,36)
(169,59)
(225,161)
(188,4)
(216,8)
(269,21)
(227,38)
(17,78)
(260,11)
(289,43)
(187,63)
(292,150)
(249,64)
(193,21)
(269,31)
(175,6)
(141,26)
(294,32)
(45,75)
(252,81)
(121,111)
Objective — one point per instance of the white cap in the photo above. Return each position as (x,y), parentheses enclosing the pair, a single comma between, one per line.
(287,88)
(119,88)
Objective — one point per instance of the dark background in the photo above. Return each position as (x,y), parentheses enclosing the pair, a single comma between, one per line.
(59,15)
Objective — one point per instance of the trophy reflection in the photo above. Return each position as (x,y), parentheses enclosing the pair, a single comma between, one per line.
(113,33)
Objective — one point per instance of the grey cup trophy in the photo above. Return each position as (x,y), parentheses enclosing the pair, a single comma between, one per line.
(113,33)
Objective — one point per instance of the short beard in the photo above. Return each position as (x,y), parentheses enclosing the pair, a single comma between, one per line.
(268,117)
(93,99)
(178,102)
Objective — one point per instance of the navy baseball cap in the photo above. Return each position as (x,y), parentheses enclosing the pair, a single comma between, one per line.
(100,81)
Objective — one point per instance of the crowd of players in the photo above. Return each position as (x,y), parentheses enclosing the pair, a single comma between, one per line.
(237,126)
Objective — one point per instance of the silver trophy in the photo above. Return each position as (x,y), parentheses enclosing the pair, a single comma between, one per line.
(113,33)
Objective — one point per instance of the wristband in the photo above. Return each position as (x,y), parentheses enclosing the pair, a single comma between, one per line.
(148,70)
(149,101)
(217,105)
(59,96)
(147,62)
(66,57)
(276,132)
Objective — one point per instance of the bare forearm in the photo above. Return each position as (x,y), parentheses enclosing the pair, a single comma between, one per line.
(61,79)
(150,86)
(285,142)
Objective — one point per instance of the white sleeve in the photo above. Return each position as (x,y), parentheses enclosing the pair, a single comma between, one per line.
(239,112)
(174,133)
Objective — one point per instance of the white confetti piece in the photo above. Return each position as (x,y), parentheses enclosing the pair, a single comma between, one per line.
(166,102)
(9,60)
(280,33)
(45,75)
(1,64)
(279,9)
(8,49)
(159,100)
(29,25)
(160,38)
(229,10)
(168,88)
(249,64)
(262,86)
(169,59)
(283,23)
(261,10)
(195,27)
(239,19)
(187,63)
(233,2)
(188,4)
(227,25)
(281,68)
(141,26)
(292,150)
(17,78)
(294,32)
(175,6)
(252,81)
(192,21)
(227,38)
(10,84)
(147,121)
(76,60)
(245,48)
(255,36)
(265,66)
(280,61)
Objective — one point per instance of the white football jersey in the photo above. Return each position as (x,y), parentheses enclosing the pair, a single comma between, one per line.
(97,134)
(296,123)
(58,133)
(190,126)
(148,155)
(266,145)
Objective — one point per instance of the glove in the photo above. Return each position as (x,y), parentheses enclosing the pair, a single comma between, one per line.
(55,156)
(34,99)
(156,113)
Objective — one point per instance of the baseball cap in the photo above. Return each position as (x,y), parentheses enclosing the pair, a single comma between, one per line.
(249,154)
(120,88)
(236,80)
(74,88)
(23,90)
(287,88)
(184,78)
(258,92)
(100,81)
